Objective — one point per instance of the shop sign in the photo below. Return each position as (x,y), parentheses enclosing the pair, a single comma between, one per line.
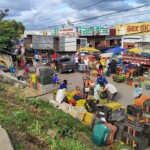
(127,29)
(67,32)
(55,32)
(90,31)
(101,31)
(85,31)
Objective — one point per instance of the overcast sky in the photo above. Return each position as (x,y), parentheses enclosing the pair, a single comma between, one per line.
(41,14)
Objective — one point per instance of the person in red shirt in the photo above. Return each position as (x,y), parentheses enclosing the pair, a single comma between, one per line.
(54,56)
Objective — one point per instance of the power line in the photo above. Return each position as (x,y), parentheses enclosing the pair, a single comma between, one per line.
(114,13)
(147,13)
(65,7)
(81,9)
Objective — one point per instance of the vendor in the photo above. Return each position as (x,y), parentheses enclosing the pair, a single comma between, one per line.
(111,89)
(26,70)
(78,94)
(88,86)
(101,78)
(97,90)
(55,79)
(63,85)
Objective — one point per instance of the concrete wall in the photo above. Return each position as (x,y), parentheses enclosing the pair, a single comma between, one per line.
(7,60)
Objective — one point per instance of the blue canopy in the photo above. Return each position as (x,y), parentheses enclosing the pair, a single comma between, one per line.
(116,50)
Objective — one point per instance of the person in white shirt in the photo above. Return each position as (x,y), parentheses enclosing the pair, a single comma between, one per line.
(111,89)
(76,61)
(36,56)
(35,64)
(86,61)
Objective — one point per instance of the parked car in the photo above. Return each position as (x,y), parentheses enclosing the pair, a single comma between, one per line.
(65,64)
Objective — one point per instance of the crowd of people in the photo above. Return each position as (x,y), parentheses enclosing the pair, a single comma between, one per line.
(104,67)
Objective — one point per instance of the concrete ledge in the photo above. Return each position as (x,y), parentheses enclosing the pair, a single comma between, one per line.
(8,78)
(5,143)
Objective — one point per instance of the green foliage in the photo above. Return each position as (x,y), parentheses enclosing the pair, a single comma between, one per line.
(34,128)
(22,117)
(9,31)
(68,144)
(2,88)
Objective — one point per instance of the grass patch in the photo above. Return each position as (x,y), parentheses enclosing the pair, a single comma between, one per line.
(28,122)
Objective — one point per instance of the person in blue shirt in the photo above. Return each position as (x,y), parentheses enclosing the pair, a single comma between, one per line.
(101,78)
(55,79)
(63,85)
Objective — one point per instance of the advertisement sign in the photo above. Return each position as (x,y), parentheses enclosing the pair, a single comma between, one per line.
(85,31)
(90,31)
(67,32)
(55,32)
(101,31)
(133,28)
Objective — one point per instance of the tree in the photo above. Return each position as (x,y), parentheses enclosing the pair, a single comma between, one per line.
(3,13)
(10,31)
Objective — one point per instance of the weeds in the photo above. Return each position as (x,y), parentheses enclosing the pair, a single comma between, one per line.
(22,117)
(35,128)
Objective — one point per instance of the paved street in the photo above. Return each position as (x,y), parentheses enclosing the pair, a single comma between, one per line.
(125,95)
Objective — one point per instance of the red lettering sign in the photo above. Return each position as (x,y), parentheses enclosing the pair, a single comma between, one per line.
(132,28)
(144,28)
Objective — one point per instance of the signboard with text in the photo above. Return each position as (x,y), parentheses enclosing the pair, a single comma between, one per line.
(69,32)
(134,28)
(101,31)
(91,31)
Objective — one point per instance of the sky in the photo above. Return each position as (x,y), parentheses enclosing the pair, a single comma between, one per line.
(49,14)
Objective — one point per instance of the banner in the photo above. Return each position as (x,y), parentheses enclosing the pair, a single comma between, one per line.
(91,31)
(134,28)
(101,31)
(69,32)
(55,32)
(85,31)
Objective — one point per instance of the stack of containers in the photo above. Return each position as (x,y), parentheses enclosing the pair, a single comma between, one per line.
(45,78)
(133,134)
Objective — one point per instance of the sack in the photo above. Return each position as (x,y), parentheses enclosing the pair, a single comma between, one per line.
(81,102)
(64,107)
(114,105)
(77,112)
(117,116)
(104,95)
(73,111)
(72,102)
(53,102)
(81,112)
